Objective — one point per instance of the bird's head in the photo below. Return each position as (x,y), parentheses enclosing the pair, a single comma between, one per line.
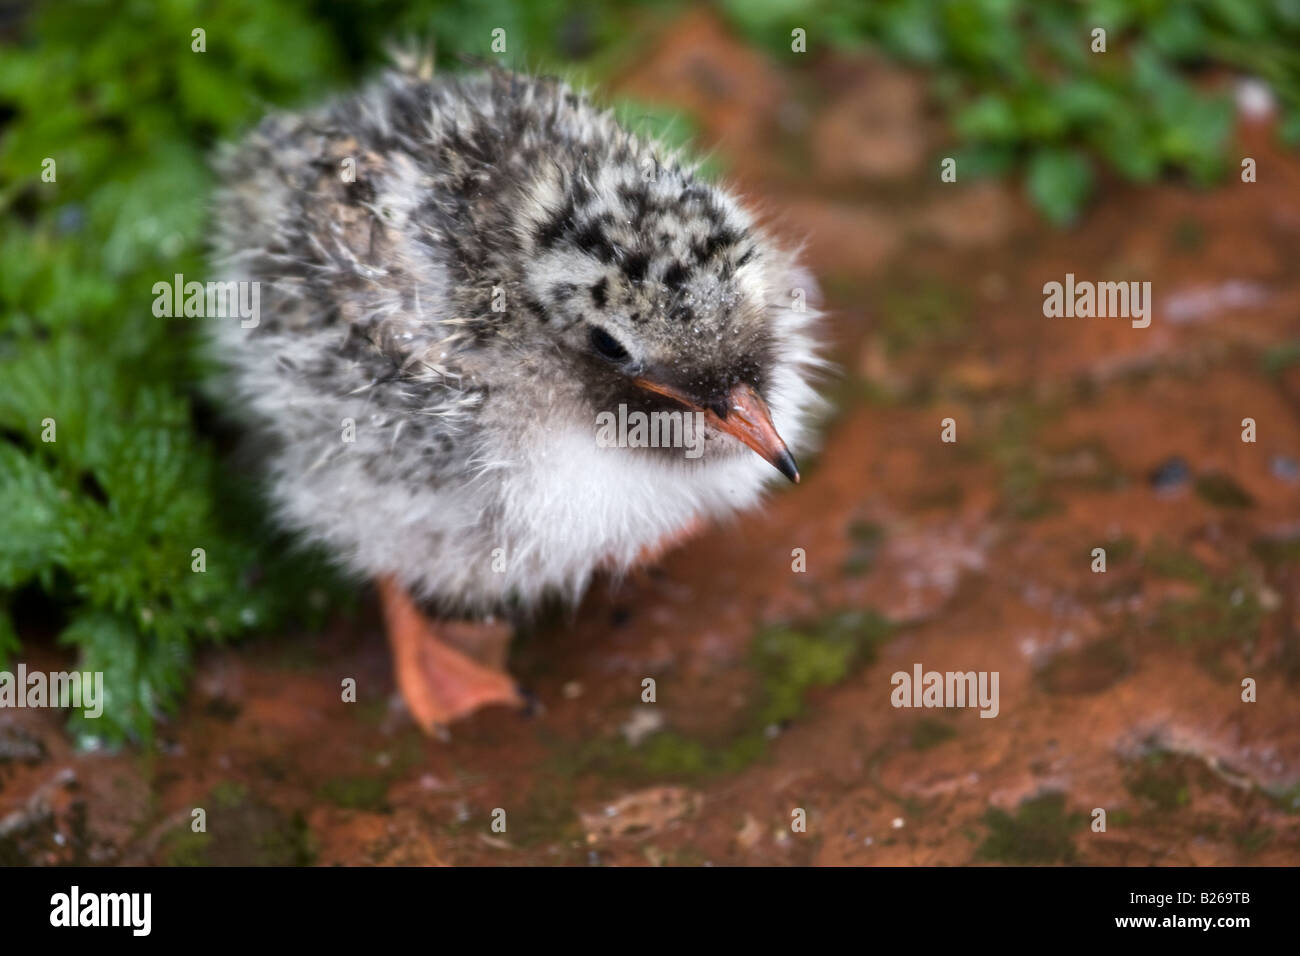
(651,289)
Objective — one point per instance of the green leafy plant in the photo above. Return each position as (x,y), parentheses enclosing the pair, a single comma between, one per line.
(1024,90)
(115,512)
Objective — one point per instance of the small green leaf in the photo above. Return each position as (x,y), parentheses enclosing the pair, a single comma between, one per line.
(1059,182)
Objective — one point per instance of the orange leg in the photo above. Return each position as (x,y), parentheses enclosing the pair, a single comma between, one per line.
(441,683)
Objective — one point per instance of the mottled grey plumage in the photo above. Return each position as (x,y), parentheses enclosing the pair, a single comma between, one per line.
(446,302)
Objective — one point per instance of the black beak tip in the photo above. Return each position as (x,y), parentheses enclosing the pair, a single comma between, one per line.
(785,465)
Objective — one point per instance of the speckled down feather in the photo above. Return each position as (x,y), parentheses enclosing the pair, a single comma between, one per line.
(443,301)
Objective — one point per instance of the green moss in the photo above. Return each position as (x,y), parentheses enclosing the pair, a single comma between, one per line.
(1224,612)
(1168,781)
(689,856)
(1024,486)
(928,732)
(1222,492)
(547,818)
(789,661)
(1188,235)
(183,847)
(1278,358)
(1170,562)
(922,311)
(669,755)
(1024,493)
(1119,550)
(865,538)
(673,755)
(847,392)
(1253,839)
(240,831)
(229,794)
(356,793)
(1161,779)
(1041,831)
(1277,552)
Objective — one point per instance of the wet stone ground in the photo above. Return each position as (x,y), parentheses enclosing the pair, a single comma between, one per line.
(1119,690)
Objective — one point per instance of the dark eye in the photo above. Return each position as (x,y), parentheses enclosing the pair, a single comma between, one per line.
(606,346)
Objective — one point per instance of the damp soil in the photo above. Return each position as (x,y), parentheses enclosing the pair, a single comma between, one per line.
(773,738)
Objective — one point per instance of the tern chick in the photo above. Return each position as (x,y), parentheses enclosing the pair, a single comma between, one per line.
(457,277)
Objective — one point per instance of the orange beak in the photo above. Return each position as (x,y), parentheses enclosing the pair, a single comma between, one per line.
(745,417)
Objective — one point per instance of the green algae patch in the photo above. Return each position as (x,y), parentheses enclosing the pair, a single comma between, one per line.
(1223,492)
(1253,839)
(865,538)
(1224,612)
(1120,549)
(793,660)
(548,818)
(929,732)
(788,661)
(1161,779)
(183,847)
(1277,552)
(229,794)
(1040,831)
(1278,358)
(1171,562)
(923,311)
(1025,484)
(239,830)
(356,793)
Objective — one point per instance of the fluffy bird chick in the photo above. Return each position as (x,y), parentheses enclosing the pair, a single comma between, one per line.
(457,276)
